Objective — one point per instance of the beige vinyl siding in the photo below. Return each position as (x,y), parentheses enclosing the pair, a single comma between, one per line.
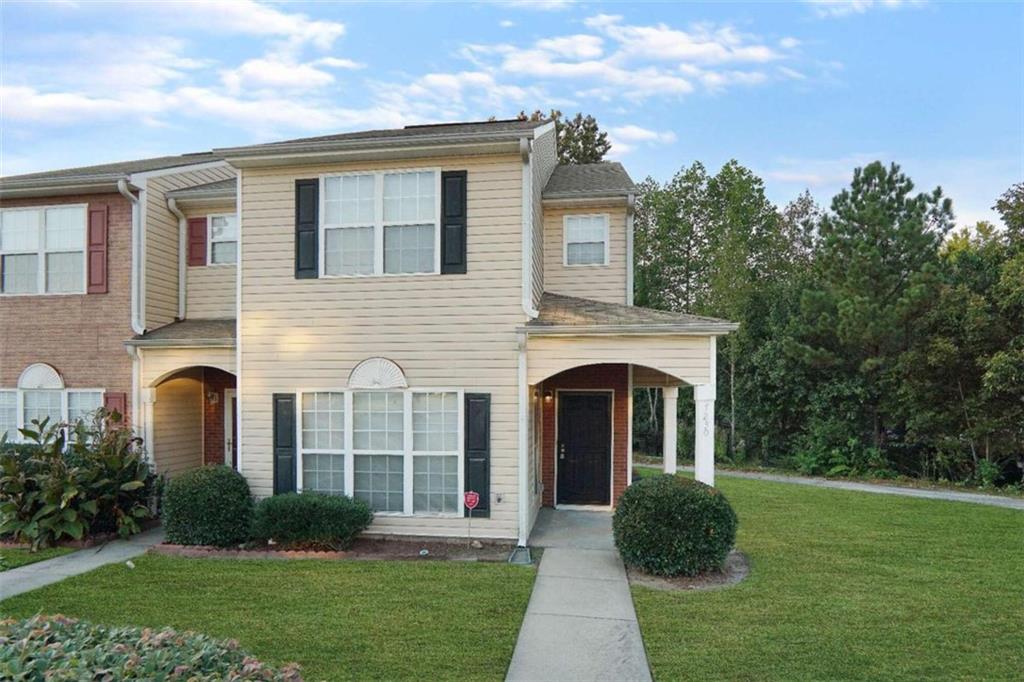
(210,290)
(178,423)
(597,282)
(162,239)
(684,357)
(161,363)
(444,331)
(545,158)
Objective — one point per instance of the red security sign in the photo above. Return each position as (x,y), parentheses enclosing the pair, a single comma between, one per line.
(471,499)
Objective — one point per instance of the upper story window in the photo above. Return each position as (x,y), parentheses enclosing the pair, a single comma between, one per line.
(42,250)
(586,239)
(223,231)
(381,223)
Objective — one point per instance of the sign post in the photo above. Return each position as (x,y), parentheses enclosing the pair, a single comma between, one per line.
(471,499)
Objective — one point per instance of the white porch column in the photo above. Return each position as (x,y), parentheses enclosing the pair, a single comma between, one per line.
(704,433)
(670,398)
(148,401)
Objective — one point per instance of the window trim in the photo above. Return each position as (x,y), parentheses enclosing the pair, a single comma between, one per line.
(606,218)
(210,240)
(378,222)
(407,453)
(19,402)
(41,251)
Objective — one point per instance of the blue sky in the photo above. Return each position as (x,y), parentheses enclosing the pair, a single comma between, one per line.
(800,92)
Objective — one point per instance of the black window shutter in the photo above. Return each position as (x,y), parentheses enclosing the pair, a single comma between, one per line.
(478,450)
(453,223)
(307,206)
(284,443)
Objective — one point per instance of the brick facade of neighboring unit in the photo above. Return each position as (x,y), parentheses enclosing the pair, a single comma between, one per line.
(609,377)
(214,383)
(81,335)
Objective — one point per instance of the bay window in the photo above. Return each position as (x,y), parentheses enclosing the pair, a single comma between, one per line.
(399,450)
(42,250)
(383,223)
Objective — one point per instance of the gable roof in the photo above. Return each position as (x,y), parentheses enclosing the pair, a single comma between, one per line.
(568,314)
(586,180)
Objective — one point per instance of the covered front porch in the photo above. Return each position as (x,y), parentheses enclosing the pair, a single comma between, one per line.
(584,361)
(187,385)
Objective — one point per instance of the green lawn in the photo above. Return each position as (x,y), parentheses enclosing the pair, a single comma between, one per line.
(849,585)
(337,619)
(14,557)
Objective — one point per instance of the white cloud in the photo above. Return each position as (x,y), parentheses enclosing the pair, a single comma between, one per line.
(248,17)
(627,138)
(578,46)
(542,5)
(274,72)
(339,63)
(506,23)
(704,43)
(843,8)
(789,43)
(24,103)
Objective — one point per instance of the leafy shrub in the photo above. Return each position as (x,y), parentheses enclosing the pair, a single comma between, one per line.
(51,490)
(207,506)
(331,521)
(60,648)
(670,525)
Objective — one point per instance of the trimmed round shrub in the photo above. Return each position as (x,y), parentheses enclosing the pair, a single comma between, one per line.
(670,525)
(311,519)
(208,506)
(60,648)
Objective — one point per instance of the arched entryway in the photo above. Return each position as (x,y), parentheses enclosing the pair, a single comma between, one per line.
(193,420)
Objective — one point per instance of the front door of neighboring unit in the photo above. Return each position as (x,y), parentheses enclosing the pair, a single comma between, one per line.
(229,428)
(584,448)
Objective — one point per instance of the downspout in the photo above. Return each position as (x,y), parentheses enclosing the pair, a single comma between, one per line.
(122,188)
(172,206)
(630,212)
(527,239)
(523,501)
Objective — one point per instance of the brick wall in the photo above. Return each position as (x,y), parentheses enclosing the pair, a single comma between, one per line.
(214,383)
(609,377)
(82,336)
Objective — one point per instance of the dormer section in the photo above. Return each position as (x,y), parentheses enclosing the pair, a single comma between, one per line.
(588,232)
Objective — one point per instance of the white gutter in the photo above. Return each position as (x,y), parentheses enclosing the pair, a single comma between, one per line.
(136,391)
(172,206)
(122,187)
(523,499)
(631,203)
(525,149)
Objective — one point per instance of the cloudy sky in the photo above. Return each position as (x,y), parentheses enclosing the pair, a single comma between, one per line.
(800,92)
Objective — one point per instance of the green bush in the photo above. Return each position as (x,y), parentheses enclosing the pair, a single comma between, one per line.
(60,648)
(51,490)
(670,525)
(313,519)
(207,506)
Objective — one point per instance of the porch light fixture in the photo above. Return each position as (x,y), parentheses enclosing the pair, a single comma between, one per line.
(549,396)
(212,397)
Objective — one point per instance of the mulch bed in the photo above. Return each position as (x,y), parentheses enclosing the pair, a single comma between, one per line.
(737,567)
(362,549)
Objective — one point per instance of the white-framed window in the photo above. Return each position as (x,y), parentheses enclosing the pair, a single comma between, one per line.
(19,407)
(9,415)
(585,239)
(399,450)
(42,250)
(380,223)
(222,236)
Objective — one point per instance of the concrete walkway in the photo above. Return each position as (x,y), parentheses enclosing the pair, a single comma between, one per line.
(580,623)
(42,573)
(881,489)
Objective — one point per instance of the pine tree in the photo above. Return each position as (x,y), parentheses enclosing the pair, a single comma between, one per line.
(580,139)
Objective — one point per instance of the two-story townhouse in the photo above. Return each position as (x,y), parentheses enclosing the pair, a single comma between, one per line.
(87,262)
(404,315)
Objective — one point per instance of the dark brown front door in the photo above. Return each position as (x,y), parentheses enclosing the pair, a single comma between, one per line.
(584,448)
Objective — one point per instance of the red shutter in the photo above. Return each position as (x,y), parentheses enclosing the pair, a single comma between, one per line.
(96,250)
(116,402)
(197,241)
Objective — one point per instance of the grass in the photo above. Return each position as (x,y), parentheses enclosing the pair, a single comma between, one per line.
(13,557)
(340,620)
(850,586)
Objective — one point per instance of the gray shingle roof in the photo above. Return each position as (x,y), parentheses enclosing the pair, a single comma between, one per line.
(220,188)
(560,313)
(189,333)
(114,169)
(607,178)
(440,133)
